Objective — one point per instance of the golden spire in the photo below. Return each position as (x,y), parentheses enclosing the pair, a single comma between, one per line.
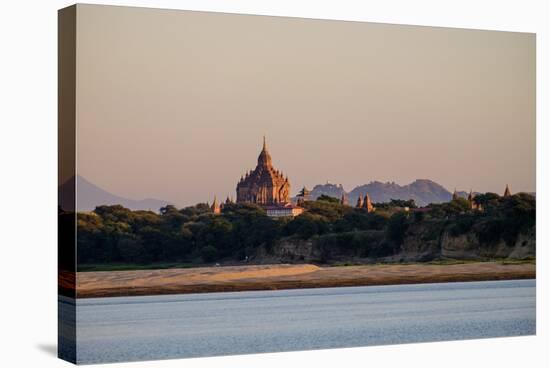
(215,206)
(507,192)
(264,159)
(367,203)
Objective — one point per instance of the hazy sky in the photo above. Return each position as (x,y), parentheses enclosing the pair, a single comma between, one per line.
(173,105)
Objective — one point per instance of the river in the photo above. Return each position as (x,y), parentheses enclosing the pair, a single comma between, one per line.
(193,325)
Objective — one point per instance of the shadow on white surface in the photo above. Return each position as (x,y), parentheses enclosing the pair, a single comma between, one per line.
(50,349)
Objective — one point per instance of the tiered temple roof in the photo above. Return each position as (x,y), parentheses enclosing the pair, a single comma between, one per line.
(264,185)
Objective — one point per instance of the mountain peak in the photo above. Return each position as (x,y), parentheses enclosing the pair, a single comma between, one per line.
(89,196)
(423,191)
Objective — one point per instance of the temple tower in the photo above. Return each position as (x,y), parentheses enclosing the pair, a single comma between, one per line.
(264,185)
(507,192)
(303,196)
(215,206)
(367,204)
(359,201)
(344,200)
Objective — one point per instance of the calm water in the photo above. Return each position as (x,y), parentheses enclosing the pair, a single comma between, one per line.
(160,327)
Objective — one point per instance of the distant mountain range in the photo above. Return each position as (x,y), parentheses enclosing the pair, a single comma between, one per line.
(423,191)
(90,196)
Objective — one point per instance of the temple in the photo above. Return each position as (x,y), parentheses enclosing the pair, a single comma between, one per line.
(344,201)
(303,196)
(364,203)
(264,185)
(215,207)
(507,192)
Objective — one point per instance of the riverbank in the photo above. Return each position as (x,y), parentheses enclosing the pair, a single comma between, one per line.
(286,276)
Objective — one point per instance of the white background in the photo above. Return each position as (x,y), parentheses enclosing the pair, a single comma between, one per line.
(28,181)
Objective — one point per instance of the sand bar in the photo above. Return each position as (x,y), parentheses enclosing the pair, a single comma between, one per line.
(284,276)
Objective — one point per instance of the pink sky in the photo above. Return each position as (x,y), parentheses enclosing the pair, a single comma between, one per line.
(173,105)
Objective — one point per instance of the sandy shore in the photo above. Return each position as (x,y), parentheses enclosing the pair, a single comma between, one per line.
(273,277)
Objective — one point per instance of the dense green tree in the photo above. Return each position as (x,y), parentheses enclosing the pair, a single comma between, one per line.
(453,208)
(361,219)
(328,208)
(114,234)
(326,198)
(396,203)
(209,253)
(397,225)
(487,200)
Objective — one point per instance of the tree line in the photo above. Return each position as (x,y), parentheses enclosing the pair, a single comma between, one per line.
(195,235)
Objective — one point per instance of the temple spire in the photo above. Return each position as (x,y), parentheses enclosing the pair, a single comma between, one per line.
(507,192)
(344,200)
(264,159)
(359,201)
(367,203)
(215,206)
